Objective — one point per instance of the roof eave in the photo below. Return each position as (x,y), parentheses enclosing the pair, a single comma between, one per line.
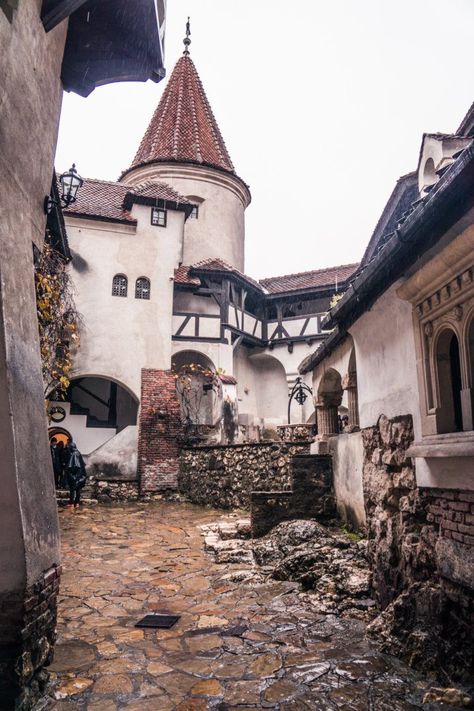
(226,274)
(100,218)
(326,348)
(197,164)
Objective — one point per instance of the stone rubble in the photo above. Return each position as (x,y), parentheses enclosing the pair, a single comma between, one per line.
(330,564)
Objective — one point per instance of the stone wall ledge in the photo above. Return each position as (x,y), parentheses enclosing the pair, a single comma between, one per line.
(456,444)
(113,480)
(245,445)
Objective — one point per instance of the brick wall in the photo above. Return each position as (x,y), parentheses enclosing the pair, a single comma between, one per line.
(27,636)
(159,432)
(453,512)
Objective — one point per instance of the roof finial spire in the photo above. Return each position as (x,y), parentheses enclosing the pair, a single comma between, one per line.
(186,40)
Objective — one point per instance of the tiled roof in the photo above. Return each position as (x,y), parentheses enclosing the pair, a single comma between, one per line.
(403,196)
(183,127)
(309,280)
(149,191)
(189,274)
(273,285)
(466,127)
(182,276)
(218,265)
(112,201)
(100,198)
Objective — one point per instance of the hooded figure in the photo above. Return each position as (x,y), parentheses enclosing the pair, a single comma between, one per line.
(75,474)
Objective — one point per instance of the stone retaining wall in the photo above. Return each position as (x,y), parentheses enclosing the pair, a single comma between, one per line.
(421,553)
(224,476)
(106,491)
(311,495)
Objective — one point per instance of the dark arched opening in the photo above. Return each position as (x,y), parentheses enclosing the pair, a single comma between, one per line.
(449,382)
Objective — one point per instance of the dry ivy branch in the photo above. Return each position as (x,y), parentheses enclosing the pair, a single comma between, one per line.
(193,381)
(58,319)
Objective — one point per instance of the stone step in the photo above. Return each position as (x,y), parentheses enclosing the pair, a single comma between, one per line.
(84,502)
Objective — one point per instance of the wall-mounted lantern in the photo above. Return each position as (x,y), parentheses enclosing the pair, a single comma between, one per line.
(70,182)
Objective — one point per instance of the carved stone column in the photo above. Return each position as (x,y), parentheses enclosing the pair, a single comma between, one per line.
(327,415)
(349,383)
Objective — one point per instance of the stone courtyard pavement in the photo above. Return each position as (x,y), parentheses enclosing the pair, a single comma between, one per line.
(237,645)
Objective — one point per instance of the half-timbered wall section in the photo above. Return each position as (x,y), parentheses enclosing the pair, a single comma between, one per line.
(229,309)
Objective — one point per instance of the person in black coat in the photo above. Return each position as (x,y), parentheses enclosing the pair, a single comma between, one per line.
(75,475)
(56,460)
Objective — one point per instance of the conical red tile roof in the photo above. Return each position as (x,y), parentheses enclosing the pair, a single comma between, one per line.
(183,127)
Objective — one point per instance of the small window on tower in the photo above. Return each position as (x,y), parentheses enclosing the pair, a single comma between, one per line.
(158,217)
(142,288)
(195,212)
(119,285)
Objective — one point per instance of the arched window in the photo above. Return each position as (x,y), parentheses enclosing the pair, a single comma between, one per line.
(449,382)
(119,285)
(142,288)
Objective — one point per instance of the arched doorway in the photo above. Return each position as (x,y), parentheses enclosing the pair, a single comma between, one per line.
(60,435)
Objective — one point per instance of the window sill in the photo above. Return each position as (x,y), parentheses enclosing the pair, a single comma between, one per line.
(452,444)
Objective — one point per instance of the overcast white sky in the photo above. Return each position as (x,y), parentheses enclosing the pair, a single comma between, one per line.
(322,106)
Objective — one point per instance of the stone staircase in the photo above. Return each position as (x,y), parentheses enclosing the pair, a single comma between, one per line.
(87,496)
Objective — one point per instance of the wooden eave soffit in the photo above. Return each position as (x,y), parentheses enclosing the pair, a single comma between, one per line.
(108,41)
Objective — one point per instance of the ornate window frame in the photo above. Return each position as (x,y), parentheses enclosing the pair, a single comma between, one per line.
(450,306)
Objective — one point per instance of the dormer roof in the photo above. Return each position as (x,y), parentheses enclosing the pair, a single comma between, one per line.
(183,127)
(110,201)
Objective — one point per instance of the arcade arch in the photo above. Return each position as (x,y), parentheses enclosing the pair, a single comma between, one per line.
(198,388)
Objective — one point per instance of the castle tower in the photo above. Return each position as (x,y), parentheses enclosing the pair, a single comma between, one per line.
(183,146)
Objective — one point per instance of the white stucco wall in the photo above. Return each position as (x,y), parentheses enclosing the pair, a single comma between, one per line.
(121,335)
(290,363)
(386,361)
(86,438)
(261,386)
(348,458)
(222,198)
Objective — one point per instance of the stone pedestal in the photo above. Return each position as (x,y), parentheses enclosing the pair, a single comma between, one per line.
(327,418)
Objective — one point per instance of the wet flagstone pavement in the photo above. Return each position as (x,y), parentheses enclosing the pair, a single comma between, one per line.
(237,645)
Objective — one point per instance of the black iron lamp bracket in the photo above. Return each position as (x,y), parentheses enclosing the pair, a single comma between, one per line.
(300,393)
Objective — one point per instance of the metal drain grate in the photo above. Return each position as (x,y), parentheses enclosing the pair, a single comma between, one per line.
(161,621)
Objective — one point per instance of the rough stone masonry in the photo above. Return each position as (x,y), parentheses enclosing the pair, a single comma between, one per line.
(422,555)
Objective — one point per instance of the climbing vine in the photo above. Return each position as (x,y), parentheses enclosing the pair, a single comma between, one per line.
(193,381)
(58,319)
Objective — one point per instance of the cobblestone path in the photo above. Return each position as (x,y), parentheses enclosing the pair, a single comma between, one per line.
(237,645)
